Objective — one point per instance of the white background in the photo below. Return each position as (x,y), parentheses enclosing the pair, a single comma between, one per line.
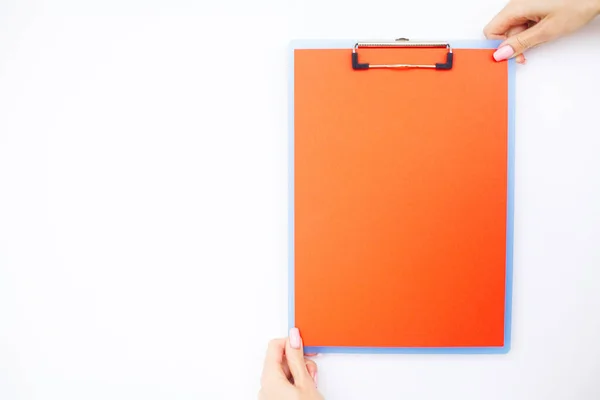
(143,203)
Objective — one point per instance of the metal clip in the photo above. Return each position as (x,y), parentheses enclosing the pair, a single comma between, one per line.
(402,42)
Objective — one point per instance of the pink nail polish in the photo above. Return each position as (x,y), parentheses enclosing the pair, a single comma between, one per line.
(295,338)
(503,53)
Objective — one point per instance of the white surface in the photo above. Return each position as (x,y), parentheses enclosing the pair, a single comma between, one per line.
(143,203)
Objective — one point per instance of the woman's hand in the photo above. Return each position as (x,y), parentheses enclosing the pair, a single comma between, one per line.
(286,373)
(527,23)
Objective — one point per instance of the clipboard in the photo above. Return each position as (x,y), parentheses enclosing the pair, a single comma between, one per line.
(401,196)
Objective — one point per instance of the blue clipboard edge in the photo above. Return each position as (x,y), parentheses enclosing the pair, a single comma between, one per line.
(459,44)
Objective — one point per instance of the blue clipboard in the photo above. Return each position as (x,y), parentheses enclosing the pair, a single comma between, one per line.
(459,44)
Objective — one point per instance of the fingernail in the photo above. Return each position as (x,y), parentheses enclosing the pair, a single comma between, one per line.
(315,378)
(504,53)
(295,338)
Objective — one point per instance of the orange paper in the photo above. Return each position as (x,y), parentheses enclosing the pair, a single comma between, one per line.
(400,196)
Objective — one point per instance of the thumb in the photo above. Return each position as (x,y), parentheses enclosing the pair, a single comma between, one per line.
(539,33)
(294,354)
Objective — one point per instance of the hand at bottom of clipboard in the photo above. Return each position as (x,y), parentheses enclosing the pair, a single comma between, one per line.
(287,374)
(524,24)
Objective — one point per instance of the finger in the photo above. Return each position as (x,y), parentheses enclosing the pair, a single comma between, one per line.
(286,370)
(498,27)
(515,30)
(540,33)
(537,34)
(311,367)
(521,59)
(294,354)
(273,365)
(275,351)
